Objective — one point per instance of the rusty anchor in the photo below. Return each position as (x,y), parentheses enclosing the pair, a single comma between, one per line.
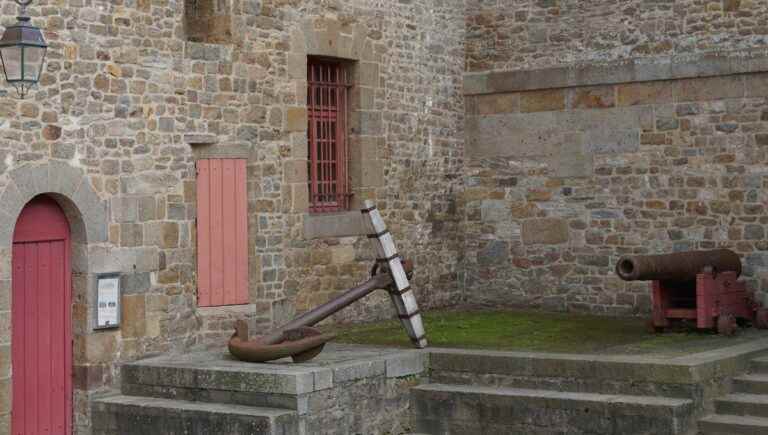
(299,340)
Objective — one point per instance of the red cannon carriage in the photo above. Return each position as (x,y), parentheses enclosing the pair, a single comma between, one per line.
(701,286)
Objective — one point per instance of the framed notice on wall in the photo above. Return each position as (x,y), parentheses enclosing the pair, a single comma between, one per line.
(107,301)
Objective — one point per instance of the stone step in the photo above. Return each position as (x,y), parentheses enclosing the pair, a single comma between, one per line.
(216,377)
(133,415)
(733,425)
(600,374)
(759,365)
(751,384)
(441,408)
(743,404)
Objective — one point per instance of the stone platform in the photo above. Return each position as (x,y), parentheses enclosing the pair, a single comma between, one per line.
(347,389)
(365,390)
(550,393)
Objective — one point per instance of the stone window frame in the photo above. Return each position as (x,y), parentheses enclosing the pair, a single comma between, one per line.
(208,146)
(328,37)
(340,132)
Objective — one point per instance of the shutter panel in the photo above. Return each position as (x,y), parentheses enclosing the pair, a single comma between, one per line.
(222,233)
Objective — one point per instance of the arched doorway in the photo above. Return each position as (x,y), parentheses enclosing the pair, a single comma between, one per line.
(41,320)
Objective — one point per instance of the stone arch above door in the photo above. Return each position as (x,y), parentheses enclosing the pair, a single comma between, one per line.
(61,180)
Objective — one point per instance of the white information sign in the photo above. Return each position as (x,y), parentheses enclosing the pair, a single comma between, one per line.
(108,302)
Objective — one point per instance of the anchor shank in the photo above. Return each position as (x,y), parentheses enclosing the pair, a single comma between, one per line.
(316,315)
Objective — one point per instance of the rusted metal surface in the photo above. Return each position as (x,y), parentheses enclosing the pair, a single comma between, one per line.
(726,325)
(318,314)
(297,338)
(761,318)
(679,266)
(698,286)
(302,344)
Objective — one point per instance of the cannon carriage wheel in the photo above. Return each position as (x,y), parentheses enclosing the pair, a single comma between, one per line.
(726,325)
(761,318)
(651,328)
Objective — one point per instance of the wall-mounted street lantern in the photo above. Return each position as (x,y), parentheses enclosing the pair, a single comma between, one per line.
(22,52)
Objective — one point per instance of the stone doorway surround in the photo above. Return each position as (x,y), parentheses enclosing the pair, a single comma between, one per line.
(87,216)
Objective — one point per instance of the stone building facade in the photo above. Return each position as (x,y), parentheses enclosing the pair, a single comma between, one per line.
(515,147)
(134,92)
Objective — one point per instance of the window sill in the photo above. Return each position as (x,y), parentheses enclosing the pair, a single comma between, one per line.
(219,310)
(339,224)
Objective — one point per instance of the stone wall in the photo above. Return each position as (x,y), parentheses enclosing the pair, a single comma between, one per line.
(128,102)
(599,128)
(562,181)
(594,129)
(533,34)
(406,154)
(103,132)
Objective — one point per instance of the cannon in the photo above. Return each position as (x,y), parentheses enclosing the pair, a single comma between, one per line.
(299,340)
(701,286)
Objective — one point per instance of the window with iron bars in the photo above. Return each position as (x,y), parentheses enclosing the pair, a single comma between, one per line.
(328,86)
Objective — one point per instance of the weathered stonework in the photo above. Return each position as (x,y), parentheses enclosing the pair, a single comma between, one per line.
(347,389)
(591,130)
(602,130)
(208,21)
(623,168)
(534,34)
(134,92)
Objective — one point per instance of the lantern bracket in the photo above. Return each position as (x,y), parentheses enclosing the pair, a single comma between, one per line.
(23,5)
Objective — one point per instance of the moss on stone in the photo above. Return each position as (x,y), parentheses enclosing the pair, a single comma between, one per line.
(540,331)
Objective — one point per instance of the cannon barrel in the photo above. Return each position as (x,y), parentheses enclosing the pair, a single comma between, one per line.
(679,266)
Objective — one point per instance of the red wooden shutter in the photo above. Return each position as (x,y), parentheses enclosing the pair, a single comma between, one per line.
(327,110)
(222,233)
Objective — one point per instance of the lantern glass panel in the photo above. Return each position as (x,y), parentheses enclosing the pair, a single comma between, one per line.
(33,62)
(12,62)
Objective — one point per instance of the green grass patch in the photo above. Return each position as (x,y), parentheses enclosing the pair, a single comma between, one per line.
(538,331)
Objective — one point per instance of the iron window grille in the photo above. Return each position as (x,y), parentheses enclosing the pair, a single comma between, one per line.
(328,87)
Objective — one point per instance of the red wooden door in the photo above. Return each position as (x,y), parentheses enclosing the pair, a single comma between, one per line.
(42,344)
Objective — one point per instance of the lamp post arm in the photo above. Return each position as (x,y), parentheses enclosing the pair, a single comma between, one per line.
(23,5)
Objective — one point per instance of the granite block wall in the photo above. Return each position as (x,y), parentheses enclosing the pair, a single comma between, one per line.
(554,197)
(534,34)
(596,129)
(515,147)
